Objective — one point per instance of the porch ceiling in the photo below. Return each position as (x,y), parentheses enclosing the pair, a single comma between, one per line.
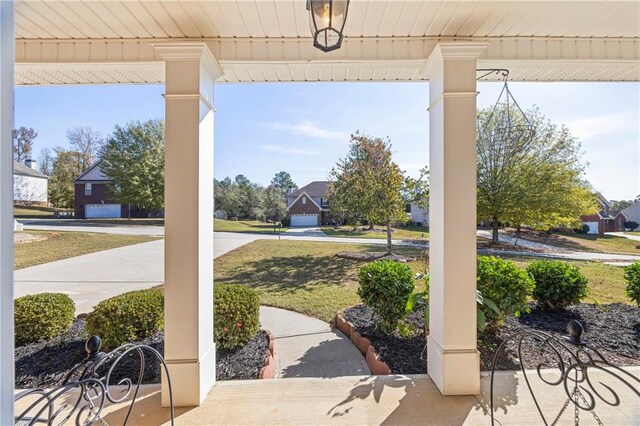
(70,41)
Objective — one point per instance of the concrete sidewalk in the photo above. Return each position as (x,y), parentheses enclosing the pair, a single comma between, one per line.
(308,347)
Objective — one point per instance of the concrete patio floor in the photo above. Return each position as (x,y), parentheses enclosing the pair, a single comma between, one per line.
(374,400)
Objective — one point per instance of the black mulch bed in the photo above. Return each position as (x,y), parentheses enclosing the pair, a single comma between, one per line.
(46,364)
(614,329)
(367,257)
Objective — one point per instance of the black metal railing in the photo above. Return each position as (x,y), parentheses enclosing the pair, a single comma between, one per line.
(567,364)
(92,384)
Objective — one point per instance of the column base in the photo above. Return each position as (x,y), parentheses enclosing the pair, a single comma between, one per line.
(455,372)
(191,380)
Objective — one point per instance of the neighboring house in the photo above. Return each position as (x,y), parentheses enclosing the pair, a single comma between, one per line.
(29,185)
(419,215)
(307,206)
(632,213)
(92,196)
(605,220)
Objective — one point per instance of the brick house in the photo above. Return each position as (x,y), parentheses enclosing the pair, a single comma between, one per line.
(307,206)
(605,220)
(91,193)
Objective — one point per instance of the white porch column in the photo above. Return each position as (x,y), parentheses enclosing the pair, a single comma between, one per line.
(7,46)
(453,358)
(190,71)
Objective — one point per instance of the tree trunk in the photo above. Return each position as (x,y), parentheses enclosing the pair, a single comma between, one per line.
(389,238)
(494,235)
(370,225)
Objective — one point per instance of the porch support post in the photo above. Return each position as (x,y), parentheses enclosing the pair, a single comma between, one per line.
(453,358)
(190,71)
(7,46)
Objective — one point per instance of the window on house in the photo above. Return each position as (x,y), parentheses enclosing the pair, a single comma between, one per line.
(304,200)
(88,189)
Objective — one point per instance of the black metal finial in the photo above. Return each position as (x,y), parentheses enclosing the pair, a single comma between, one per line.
(93,345)
(575,330)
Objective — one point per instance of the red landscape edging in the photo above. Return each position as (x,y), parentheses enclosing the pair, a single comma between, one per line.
(268,370)
(377,367)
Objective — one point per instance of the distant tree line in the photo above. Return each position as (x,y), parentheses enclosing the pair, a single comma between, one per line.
(240,198)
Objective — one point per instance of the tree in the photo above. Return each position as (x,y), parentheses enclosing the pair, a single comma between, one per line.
(87,142)
(417,190)
(134,158)
(621,204)
(275,208)
(529,173)
(368,183)
(65,168)
(282,181)
(23,143)
(45,160)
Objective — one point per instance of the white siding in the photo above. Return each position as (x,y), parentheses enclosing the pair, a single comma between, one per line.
(419,214)
(29,189)
(633,212)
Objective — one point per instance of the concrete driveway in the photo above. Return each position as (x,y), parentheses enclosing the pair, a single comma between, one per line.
(302,231)
(93,277)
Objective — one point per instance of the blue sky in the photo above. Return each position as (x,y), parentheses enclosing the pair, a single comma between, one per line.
(303,128)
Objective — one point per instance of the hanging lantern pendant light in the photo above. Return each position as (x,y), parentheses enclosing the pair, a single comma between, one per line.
(327,19)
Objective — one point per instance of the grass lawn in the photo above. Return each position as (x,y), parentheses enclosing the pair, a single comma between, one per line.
(34,211)
(600,243)
(307,277)
(62,245)
(245,226)
(404,233)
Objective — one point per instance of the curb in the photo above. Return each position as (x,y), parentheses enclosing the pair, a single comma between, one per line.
(268,370)
(377,367)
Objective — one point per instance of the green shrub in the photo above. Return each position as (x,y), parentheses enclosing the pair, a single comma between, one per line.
(42,316)
(385,287)
(583,229)
(127,317)
(506,285)
(632,277)
(236,315)
(557,284)
(631,225)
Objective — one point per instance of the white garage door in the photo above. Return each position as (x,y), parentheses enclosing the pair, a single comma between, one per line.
(593,227)
(304,220)
(102,210)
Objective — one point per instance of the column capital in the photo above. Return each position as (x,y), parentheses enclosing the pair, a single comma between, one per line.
(452,51)
(190,51)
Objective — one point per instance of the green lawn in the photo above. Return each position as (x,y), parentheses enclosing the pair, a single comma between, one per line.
(245,226)
(307,277)
(379,232)
(34,211)
(63,245)
(599,243)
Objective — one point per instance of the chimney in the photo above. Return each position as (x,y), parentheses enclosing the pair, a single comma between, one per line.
(291,189)
(30,163)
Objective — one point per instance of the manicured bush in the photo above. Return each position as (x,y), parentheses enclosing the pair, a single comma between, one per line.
(631,225)
(42,316)
(506,285)
(557,284)
(236,315)
(286,222)
(583,229)
(632,278)
(127,317)
(385,287)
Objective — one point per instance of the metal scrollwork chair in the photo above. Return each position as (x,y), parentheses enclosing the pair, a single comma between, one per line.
(88,387)
(572,359)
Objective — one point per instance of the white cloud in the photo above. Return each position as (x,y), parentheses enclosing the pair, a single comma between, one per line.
(586,128)
(286,150)
(308,128)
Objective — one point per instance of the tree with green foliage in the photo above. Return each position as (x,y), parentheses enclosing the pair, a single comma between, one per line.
(275,208)
(529,173)
(65,168)
(283,182)
(368,183)
(134,158)
(417,190)
(23,143)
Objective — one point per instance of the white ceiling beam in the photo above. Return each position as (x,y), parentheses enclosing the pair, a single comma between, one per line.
(282,57)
